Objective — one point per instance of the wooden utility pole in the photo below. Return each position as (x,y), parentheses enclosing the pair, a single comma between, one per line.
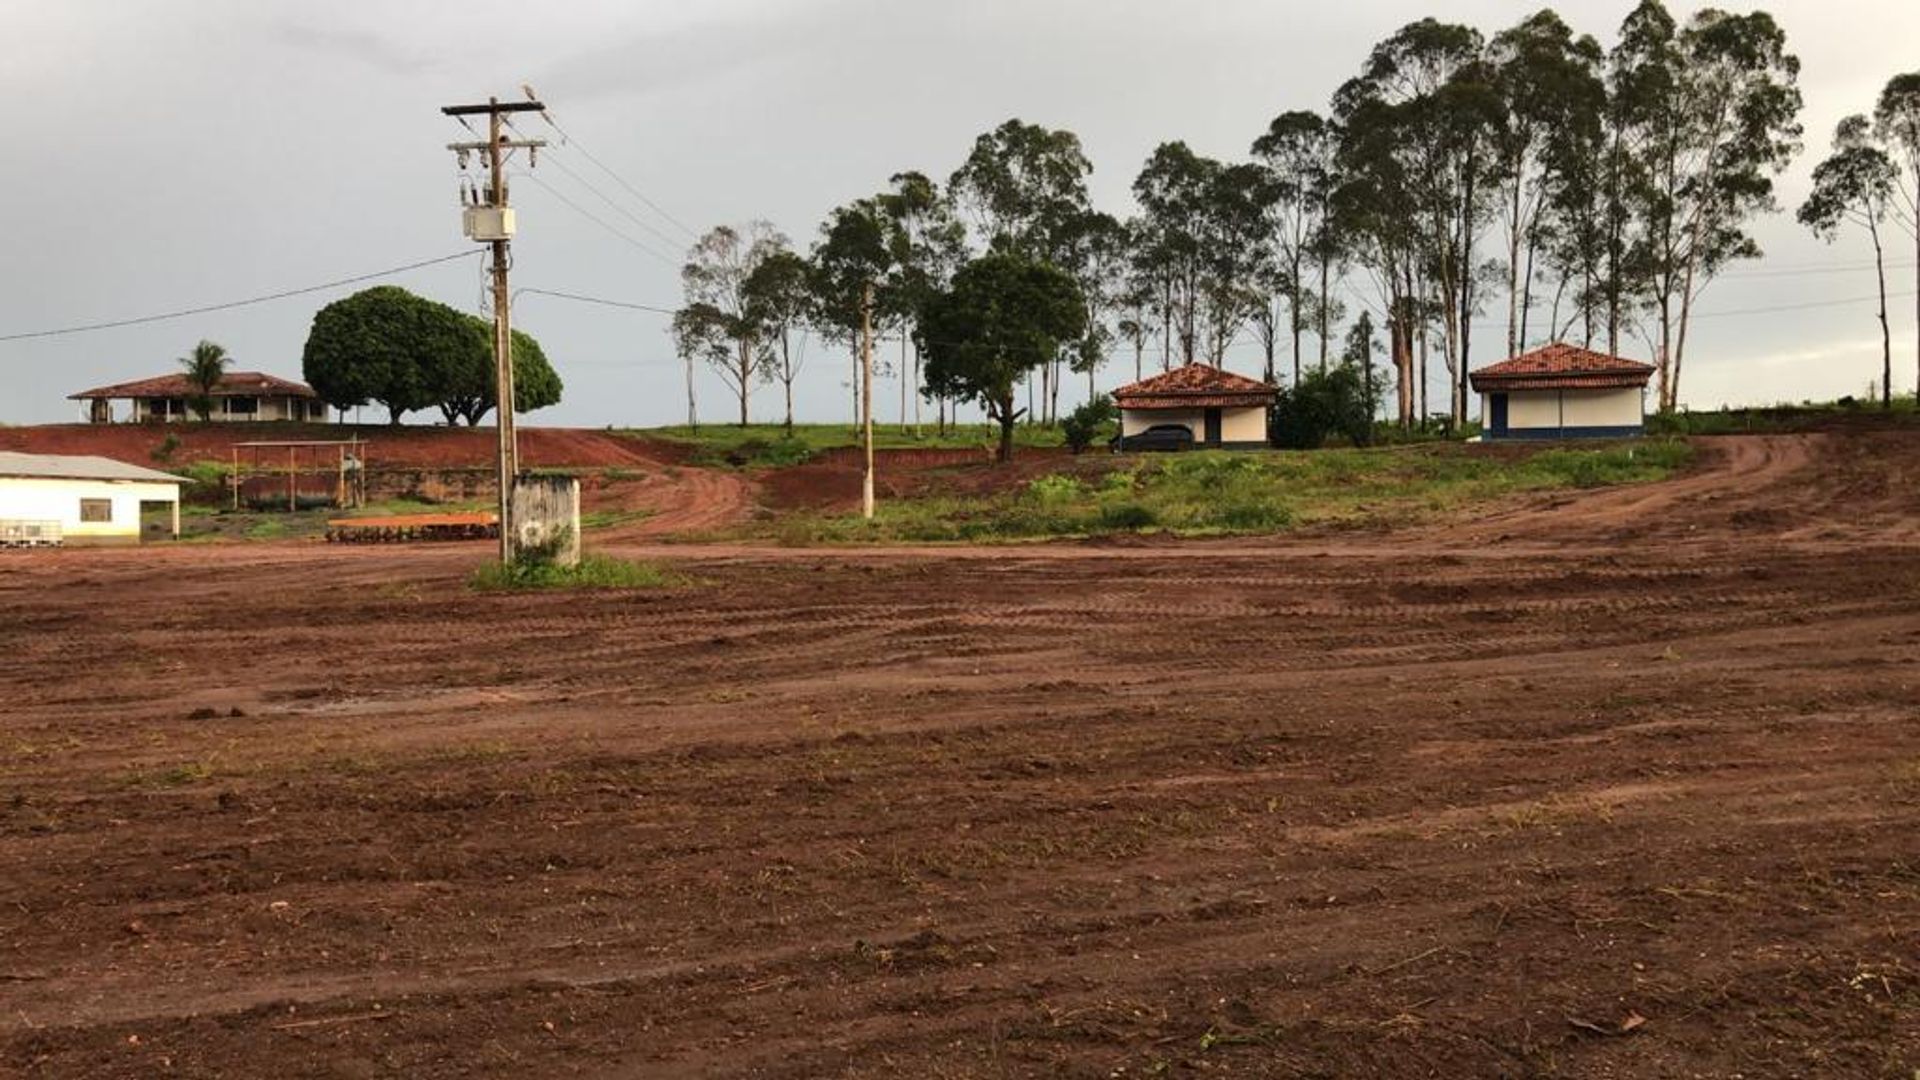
(495,229)
(866,396)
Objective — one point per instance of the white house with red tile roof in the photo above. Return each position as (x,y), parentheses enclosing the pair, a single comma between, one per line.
(1562,391)
(1220,408)
(240,395)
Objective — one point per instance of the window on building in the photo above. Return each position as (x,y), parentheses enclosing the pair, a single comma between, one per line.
(243,406)
(96,510)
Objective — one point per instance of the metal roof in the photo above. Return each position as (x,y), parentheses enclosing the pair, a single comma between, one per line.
(76,467)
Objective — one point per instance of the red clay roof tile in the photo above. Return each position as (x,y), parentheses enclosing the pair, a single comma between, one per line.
(232,384)
(1561,366)
(1194,385)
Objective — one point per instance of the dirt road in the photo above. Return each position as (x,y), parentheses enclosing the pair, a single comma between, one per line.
(1616,785)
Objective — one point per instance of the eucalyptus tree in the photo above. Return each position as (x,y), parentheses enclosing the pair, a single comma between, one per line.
(1418,160)
(1712,109)
(929,244)
(1855,185)
(1299,151)
(717,325)
(1204,234)
(1896,120)
(1171,190)
(779,295)
(1091,247)
(1023,184)
(855,277)
(1552,101)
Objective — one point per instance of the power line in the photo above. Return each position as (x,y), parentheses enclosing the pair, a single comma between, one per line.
(567,139)
(282,295)
(560,163)
(602,222)
(596,300)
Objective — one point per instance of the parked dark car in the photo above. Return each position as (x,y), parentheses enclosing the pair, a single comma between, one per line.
(1157,437)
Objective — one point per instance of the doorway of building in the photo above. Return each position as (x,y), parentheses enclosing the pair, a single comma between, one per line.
(1497,414)
(1213,427)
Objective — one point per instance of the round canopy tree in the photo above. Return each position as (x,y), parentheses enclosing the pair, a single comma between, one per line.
(1002,317)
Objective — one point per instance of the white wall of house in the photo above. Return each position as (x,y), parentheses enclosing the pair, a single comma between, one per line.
(1620,407)
(61,501)
(1246,424)
(267,408)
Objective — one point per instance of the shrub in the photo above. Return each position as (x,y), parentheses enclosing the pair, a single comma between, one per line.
(164,452)
(1126,515)
(1322,405)
(1054,490)
(1084,425)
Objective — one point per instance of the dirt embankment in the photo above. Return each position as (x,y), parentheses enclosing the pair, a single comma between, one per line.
(1628,792)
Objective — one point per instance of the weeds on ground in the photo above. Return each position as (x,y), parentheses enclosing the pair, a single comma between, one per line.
(591,572)
(1213,493)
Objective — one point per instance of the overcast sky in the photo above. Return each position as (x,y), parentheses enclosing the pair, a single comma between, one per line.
(173,155)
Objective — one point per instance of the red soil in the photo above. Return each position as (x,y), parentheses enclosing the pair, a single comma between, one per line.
(1620,784)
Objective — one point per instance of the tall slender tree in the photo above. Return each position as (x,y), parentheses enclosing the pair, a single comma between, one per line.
(1712,108)
(1855,185)
(779,298)
(1896,120)
(717,325)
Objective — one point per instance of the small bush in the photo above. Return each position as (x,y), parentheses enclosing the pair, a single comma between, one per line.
(165,451)
(1054,490)
(592,572)
(1084,425)
(1126,515)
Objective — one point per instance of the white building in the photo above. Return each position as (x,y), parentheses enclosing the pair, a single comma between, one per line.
(1562,391)
(1220,408)
(240,396)
(56,499)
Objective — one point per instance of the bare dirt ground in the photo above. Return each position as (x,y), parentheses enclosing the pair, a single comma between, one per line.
(1621,784)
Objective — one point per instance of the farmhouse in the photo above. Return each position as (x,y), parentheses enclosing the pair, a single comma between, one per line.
(1562,391)
(55,499)
(241,395)
(1220,408)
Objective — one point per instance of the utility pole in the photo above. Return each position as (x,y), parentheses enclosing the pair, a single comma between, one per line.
(866,395)
(491,222)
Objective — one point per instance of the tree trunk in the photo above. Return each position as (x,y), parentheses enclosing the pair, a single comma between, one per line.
(1006,418)
(1886,335)
(786,373)
(1322,315)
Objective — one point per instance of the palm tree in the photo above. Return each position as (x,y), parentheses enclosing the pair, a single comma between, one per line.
(206,366)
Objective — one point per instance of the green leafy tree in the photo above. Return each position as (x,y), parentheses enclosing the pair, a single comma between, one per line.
(1552,107)
(1299,151)
(1358,355)
(928,244)
(1002,317)
(718,325)
(205,366)
(1855,185)
(1711,110)
(779,298)
(1896,120)
(1024,184)
(855,264)
(385,345)
(466,387)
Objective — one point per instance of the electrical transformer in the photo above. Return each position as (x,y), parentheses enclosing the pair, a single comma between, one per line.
(487,223)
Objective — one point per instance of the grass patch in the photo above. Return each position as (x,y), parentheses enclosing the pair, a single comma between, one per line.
(592,572)
(770,446)
(1773,419)
(1219,493)
(602,519)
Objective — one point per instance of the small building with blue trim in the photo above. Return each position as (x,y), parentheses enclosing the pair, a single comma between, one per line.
(1562,391)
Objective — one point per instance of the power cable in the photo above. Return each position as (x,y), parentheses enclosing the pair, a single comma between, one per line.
(282,295)
(596,300)
(560,164)
(602,222)
(567,139)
